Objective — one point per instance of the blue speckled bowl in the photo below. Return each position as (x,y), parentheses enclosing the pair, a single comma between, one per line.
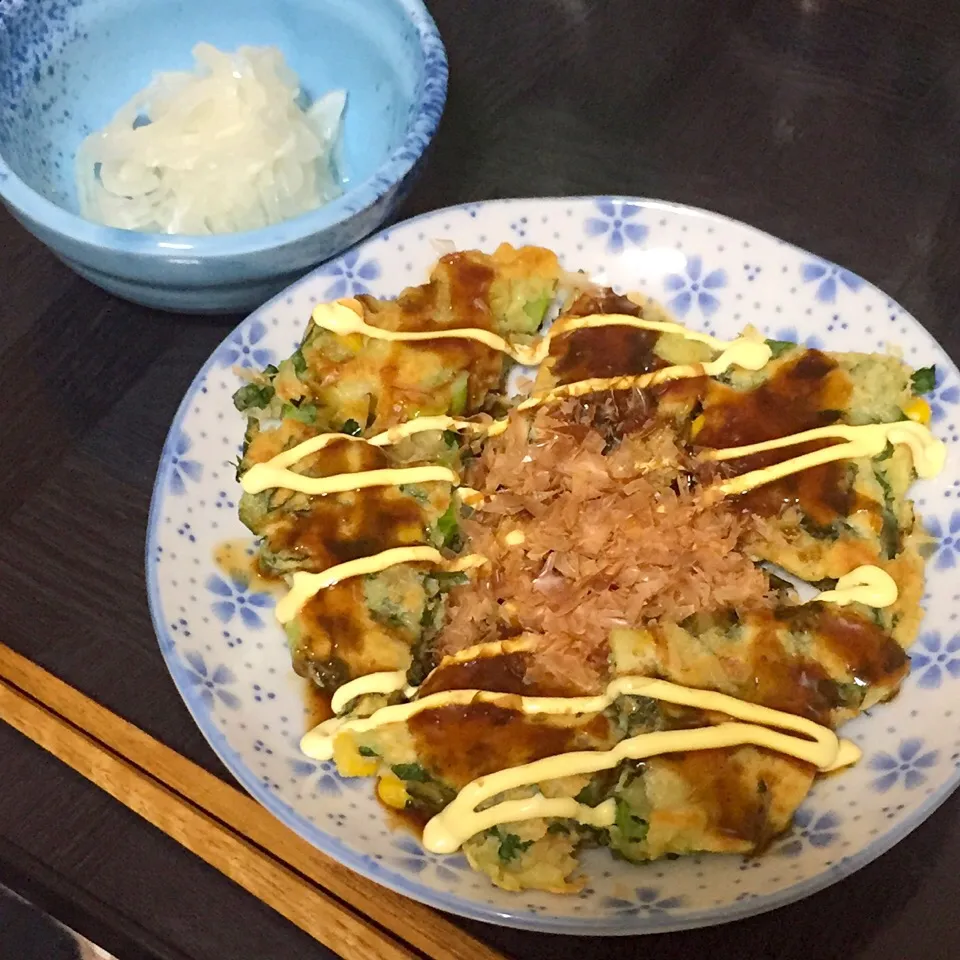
(67,65)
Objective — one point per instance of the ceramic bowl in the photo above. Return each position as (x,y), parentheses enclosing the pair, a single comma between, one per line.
(67,65)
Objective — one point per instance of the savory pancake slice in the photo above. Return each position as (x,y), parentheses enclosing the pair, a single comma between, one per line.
(822,522)
(812,660)
(362,385)
(375,622)
(726,800)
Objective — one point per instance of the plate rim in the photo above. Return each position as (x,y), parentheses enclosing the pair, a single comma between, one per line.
(372,869)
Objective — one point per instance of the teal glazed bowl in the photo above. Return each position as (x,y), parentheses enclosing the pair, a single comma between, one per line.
(67,65)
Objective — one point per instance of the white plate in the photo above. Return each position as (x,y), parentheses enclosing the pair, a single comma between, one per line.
(229,658)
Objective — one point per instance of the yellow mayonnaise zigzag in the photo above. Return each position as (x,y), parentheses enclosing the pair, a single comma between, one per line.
(761,726)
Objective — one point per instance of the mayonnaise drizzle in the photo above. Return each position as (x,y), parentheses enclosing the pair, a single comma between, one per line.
(306,585)
(345,317)
(263,476)
(318,743)
(386,682)
(868,585)
(342,317)
(459,821)
(446,832)
(814,744)
(743,352)
(929,453)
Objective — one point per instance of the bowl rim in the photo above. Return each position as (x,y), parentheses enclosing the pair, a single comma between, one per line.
(431,94)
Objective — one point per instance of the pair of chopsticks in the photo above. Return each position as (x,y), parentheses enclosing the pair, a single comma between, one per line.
(347,913)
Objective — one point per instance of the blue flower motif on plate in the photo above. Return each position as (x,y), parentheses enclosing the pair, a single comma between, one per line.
(416,859)
(618,223)
(210,682)
(943,395)
(181,468)
(694,288)
(327,783)
(907,764)
(811,342)
(242,350)
(237,598)
(933,659)
(646,900)
(818,830)
(829,278)
(947,535)
(351,276)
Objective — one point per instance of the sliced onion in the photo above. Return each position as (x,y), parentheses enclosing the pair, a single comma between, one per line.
(227,147)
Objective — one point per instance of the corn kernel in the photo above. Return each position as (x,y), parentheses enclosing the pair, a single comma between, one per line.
(391,791)
(918,410)
(349,761)
(352,341)
(697,426)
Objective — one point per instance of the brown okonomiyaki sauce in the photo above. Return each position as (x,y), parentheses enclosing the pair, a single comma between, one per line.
(613,351)
(316,703)
(457,296)
(735,805)
(411,818)
(460,742)
(803,394)
(238,561)
(500,673)
(345,526)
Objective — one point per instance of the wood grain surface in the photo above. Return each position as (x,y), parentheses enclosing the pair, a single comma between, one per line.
(834,124)
(223,826)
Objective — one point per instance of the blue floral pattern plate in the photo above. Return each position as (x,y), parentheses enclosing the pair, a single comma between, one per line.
(229,659)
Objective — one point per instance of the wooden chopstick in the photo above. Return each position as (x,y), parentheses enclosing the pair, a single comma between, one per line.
(312,910)
(158,782)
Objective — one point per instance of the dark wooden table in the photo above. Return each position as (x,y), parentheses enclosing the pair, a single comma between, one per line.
(831,123)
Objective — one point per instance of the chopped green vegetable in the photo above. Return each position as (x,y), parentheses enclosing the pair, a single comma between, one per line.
(256,395)
(447,580)
(598,788)
(448,529)
(430,797)
(299,362)
(924,380)
(352,428)
(511,845)
(851,694)
(890,530)
(458,393)
(367,752)
(451,438)
(818,531)
(411,771)
(305,413)
(638,715)
(536,309)
(415,490)
(886,453)
(779,347)
(633,829)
